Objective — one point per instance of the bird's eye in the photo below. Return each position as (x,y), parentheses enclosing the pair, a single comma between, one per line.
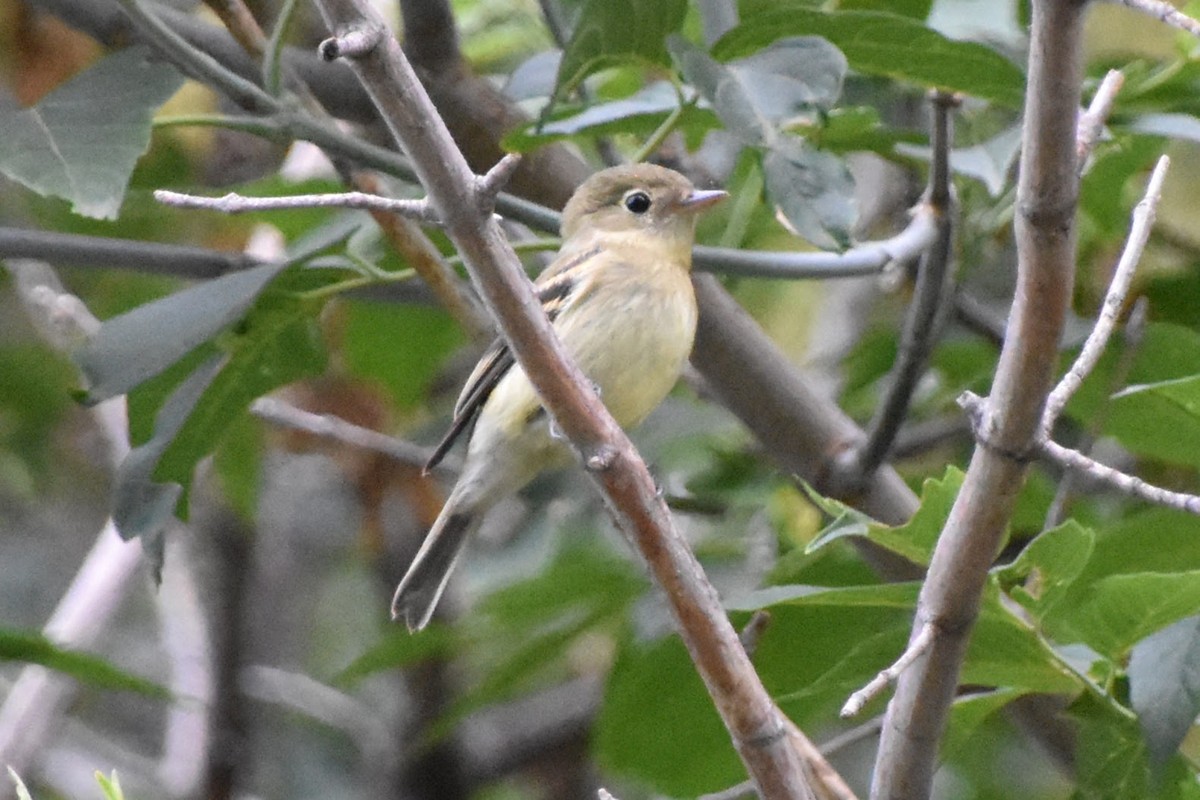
(638,202)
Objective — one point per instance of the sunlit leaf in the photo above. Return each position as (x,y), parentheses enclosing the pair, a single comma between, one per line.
(611,31)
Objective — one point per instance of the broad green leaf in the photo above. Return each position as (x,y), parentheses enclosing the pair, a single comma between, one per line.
(889,45)
(1111,759)
(657,724)
(915,9)
(1005,651)
(1164,685)
(276,344)
(814,191)
(915,539)
(1047,566)
(753,96)
(968,713)
(611,31)
(81,141)
(884,595)
(142,506)
(33,648)
(1120,610)
(1160,419)
(145,341)
(640,114)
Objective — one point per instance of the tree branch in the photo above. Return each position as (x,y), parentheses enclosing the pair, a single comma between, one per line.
(758,728)
(950,596)
(926,315)
(1165,12)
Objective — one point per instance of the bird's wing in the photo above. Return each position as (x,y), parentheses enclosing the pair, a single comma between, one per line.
(556,289)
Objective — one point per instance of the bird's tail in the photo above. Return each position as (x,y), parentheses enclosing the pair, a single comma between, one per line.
(423,584)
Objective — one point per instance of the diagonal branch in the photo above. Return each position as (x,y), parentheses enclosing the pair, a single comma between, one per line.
(757,726)
(950,596)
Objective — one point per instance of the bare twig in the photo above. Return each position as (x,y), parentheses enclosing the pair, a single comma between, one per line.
(1122,482)
(336,429)
(79,249)
(916,648)
(950,595)
(975,406)
(233,203)
(1165,12)
(926,314)
(757,726)
(753,630)
(1114,300)
(1091,122)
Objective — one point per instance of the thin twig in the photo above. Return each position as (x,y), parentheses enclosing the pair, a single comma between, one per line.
(753,630)
(1131,342)
(916,648)
(233,203)
(1114,300)
(1165,12)
(1121,481)
(926,314)
(976,407)
(336,429)
(1091,122)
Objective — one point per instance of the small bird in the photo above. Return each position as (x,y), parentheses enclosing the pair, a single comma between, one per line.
(619,295)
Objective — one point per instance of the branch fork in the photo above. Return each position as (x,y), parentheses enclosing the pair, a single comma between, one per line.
(354,42)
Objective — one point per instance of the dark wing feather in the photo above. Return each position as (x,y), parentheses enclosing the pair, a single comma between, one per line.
(554,288)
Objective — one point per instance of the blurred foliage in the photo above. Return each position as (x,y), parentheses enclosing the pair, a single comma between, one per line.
(1101,608)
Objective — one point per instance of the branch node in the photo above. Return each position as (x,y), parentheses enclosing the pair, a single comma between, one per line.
(601,458)
(488,186)
(916,648)
(351,43)
(976,408)
(752,634)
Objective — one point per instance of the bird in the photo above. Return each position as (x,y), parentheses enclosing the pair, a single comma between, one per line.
(619,296)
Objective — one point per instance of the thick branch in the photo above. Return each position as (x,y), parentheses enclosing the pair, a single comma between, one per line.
(950,597)
(756,725)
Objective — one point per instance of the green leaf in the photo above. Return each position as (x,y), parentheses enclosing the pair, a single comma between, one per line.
(753,96)
(612,31)
(915,539)
(1006,651)
(814,191)
(143,342)
(277,343)
(1110,754)
(1118,611)
(657,724)
(1164,685)
(1160,419)
(82,140)
(915,9)
(418,341)
(111,786)
(33,648)
(884,595)
(968,713)
(885,44)
(1047,566)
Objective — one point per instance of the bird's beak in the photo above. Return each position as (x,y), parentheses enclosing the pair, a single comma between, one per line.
(701,199)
